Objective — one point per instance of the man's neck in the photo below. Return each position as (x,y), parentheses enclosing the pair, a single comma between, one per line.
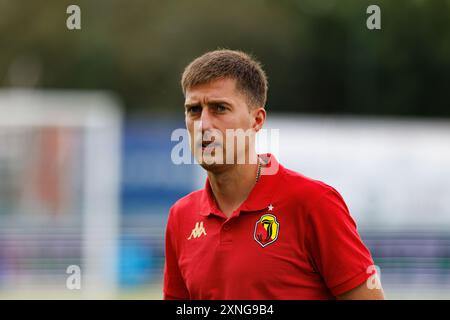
(232,187)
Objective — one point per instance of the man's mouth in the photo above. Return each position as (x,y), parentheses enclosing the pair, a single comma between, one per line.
(209,145)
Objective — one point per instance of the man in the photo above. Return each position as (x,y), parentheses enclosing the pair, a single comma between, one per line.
(257,230)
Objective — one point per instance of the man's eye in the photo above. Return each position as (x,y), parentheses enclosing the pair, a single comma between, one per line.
(194,109)
(220,108)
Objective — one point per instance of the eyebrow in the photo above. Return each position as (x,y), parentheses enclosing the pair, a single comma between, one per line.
(192,104)
(210,102)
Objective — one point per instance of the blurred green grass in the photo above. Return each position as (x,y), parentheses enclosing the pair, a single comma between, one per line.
(153,292)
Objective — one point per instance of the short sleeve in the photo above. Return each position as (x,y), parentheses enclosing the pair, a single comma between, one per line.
(174,285)
(334,245)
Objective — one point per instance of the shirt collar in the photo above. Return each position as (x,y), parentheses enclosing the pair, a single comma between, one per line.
(259,198)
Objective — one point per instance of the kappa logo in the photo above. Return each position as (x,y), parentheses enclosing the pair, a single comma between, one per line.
(266,230)
(197,231)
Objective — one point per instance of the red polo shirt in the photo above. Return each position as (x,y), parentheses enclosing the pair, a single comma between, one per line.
(293,238)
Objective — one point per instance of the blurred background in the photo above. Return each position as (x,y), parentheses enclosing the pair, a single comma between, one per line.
(86,118)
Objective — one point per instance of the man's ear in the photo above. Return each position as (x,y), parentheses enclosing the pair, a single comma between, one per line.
(259,117)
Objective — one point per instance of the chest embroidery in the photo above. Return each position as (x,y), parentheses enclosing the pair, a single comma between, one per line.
(267,229)
(198,231)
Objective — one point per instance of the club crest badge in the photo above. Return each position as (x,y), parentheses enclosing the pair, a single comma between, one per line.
(266,230)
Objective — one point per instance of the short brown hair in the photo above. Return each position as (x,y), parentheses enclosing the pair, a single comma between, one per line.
(245,69)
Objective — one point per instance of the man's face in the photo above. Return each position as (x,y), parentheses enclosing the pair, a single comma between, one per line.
(210,110)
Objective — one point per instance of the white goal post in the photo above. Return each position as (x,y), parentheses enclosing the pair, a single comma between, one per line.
(60,156)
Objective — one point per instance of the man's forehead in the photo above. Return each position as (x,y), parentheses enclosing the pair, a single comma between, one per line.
(213,90)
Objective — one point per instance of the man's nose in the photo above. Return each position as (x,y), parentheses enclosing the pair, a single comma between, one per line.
(206,120)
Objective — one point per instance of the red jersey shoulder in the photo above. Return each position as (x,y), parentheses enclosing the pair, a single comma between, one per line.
(185,205)
(187,201)
(305,189)
(315,197)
